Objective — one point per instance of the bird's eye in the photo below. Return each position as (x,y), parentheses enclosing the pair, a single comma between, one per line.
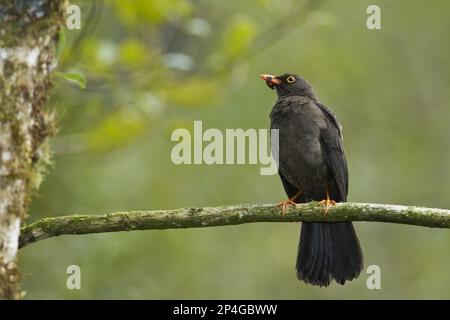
(290,79)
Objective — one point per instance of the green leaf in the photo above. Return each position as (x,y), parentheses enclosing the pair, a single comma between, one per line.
(238,36)
(73,77)
(61,44)
(116,130)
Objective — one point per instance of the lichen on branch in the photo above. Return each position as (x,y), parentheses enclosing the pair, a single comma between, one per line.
(28,32)
(230,215)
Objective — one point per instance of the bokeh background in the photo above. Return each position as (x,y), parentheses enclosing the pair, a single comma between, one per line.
(153,66)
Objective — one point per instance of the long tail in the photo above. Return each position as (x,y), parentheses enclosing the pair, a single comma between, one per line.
(328,251)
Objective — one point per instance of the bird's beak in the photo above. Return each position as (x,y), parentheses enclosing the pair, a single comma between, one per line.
(270,80)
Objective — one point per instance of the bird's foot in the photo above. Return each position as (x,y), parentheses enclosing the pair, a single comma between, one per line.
(284,204)
(328,203)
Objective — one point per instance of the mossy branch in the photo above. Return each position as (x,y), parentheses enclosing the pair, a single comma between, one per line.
(230,215)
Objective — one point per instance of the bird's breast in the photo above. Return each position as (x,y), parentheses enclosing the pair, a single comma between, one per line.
(299,148)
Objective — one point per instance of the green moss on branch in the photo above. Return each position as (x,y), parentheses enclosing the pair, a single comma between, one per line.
(230,215)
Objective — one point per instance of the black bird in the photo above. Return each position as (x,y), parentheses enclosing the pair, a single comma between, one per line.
(312,166)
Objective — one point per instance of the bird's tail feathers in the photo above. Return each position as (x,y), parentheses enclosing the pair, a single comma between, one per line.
(328,251)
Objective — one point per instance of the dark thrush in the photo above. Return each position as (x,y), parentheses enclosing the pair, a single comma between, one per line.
(312,166)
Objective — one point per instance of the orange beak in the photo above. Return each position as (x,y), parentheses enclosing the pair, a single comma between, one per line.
(270,79)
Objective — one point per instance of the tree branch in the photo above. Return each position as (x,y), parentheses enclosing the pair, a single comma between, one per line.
(230,215)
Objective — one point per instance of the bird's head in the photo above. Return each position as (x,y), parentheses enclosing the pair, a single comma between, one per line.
(289,84)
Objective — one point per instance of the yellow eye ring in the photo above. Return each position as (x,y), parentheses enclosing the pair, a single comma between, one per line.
(290,79)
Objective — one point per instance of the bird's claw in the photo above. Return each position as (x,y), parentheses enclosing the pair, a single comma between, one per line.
(328,203)
(284,204)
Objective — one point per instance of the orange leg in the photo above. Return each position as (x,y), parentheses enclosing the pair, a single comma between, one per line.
(327,203)
(284,204)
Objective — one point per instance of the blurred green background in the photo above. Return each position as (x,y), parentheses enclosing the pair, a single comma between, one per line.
(153,66)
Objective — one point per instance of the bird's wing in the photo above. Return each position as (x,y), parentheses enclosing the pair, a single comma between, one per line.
(333,151)
(330,117)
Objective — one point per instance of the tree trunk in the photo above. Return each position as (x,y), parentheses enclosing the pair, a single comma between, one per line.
(28,33)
